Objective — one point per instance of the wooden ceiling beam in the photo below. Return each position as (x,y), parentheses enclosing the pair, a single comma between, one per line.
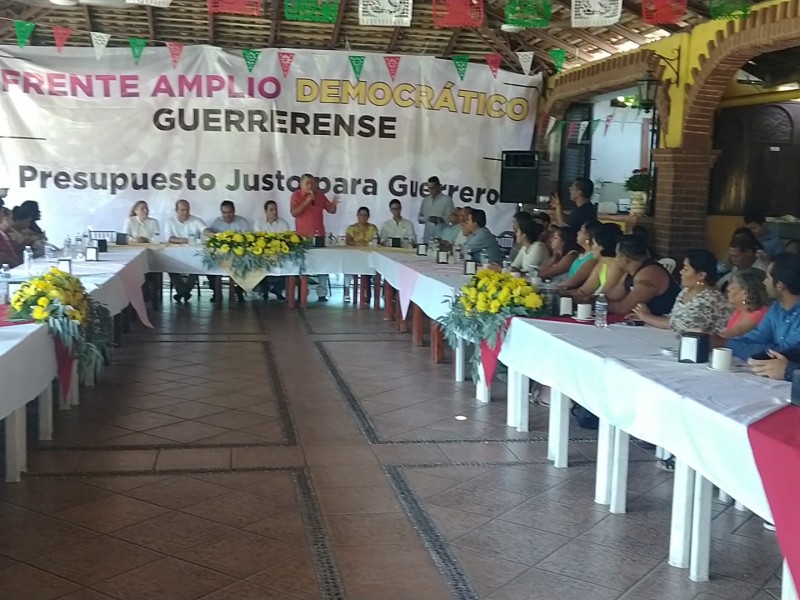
(26,13)
(211,30)
(275,21)
(451,43)
(540,33)
(87,16)
(393,40)
(542,59)
(337,28)
(621,30)
(595,41)
(151,24)
(629,35)
(495,41)
(557,42)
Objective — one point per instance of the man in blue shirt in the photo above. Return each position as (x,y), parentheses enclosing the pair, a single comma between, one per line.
(780,328)
(777,366)
(755,222)
(480,239)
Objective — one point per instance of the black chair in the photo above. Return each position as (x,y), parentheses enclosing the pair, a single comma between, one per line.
(506,241)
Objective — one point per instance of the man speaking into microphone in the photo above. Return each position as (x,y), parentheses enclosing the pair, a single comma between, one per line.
(307,205)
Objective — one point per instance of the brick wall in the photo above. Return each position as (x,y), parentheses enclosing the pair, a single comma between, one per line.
(681,200)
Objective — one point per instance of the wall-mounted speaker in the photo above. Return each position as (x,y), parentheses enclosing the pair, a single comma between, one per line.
(519,177)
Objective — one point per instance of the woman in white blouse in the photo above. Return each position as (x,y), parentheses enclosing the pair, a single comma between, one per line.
(532,253)
(140,227)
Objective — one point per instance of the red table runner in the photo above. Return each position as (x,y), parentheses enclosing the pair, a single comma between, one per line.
(775,441)
(63,357)
(4,322)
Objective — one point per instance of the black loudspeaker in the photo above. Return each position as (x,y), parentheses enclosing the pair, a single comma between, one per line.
(519,177)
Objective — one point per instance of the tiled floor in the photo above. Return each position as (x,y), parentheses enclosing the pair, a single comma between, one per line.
(262,453)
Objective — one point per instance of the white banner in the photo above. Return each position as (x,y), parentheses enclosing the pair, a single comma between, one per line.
(596,13)
(88,138)
(385,13)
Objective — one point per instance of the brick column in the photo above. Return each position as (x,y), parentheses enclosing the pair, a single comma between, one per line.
(681,202)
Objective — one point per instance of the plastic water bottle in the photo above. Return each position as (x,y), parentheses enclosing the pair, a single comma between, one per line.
(506,266)
(27,256)
(68,247)
(601,311)
(549,298)
(484,258)
(5,275)
(192,240)
(374,240)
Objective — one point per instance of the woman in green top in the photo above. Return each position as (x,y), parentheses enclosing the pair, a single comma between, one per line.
(564,251)
(605,274)
(360,233)
(582,266)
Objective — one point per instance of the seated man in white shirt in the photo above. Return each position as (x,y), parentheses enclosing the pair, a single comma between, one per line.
(272,223)
(229,221)
(183,228)
(397,226)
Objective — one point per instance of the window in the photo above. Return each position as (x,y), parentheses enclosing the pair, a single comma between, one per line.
(576,156)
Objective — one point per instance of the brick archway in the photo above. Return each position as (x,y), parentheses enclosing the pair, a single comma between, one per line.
(601,77)
(768,29)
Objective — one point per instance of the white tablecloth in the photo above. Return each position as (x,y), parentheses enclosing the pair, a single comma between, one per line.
(620,374)
(115,280)
(27,365)
(420,280)
(187,259)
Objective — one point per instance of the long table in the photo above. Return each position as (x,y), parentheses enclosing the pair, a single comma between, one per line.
(28,363)
(630,378)
(27,370)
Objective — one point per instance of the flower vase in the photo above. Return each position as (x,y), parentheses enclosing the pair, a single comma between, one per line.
(638,204)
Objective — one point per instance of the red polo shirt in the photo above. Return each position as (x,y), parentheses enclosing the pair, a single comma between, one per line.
(310,222)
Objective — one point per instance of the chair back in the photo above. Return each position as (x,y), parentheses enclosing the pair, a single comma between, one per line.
(669,264)
(109,236)
(506,241)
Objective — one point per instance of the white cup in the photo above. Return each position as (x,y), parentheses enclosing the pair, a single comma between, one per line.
(721,359)
(516,274)
(536,281)
(584,312)
(565,307)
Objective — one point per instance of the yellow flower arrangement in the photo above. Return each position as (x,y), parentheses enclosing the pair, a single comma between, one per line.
(59,299)
(254,250)
(491,292)
(480,309)
(54,293)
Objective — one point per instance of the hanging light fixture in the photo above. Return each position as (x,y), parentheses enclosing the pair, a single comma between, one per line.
(648,89)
